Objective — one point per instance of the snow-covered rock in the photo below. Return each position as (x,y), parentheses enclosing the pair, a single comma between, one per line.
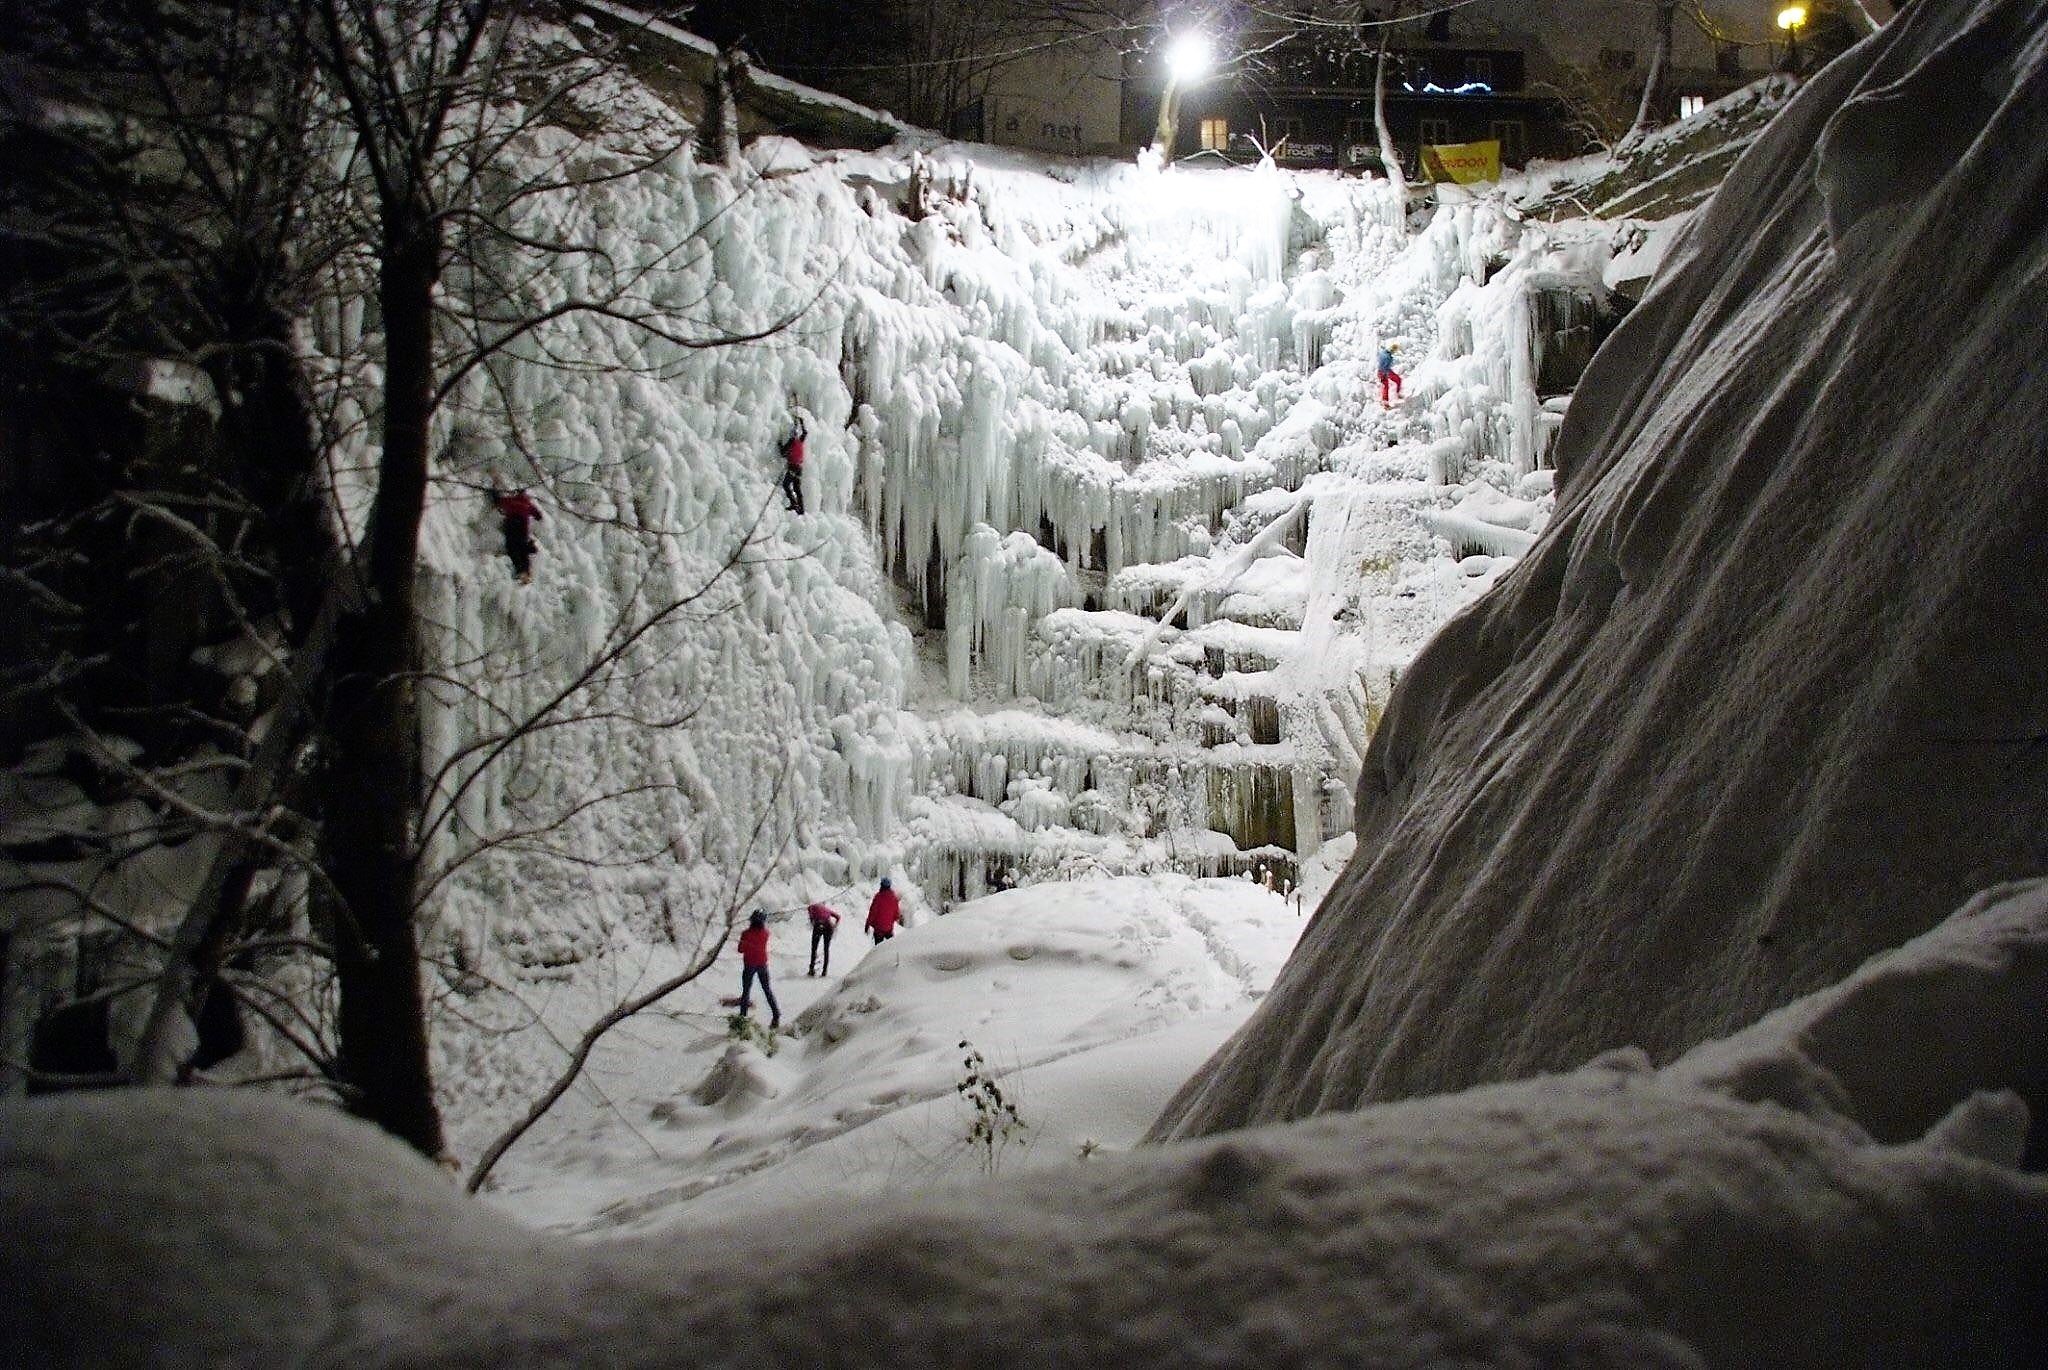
(1769,695)
(1758,1203)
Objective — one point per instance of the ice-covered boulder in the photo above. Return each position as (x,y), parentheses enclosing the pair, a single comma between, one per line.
(1771,693)
(1833,1186)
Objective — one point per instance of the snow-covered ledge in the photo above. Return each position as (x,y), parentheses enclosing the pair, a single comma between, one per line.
(1756,1203)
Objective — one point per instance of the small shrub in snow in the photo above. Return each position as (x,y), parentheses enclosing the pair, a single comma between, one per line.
(741,1028)
(995,1118)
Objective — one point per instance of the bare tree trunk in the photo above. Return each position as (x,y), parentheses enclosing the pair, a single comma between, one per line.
(373,774)
(1390,156)
(1649,113)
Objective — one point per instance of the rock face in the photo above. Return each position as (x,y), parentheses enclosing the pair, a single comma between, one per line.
(1772,693)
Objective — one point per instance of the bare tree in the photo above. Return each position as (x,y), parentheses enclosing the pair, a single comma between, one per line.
(1650,110)
(424,96)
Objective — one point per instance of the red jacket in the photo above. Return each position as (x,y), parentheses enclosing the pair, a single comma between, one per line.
(824,917)
(754,947)
(884,912)
(518,506)
(793,452)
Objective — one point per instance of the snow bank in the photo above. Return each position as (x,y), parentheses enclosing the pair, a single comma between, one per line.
(1768,695)
(1734,1209)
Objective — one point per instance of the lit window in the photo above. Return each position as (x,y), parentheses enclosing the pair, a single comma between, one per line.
(1689,105)
(1215,134)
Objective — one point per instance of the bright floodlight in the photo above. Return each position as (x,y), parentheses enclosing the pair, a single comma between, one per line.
(1792,16)
(1187,59)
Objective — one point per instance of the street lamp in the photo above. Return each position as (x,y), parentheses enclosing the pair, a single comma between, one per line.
(1790,18)
(1188,59)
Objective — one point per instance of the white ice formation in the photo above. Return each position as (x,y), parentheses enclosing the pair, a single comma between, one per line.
(1769,694)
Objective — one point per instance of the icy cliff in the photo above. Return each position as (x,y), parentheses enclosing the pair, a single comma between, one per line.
(1769,695)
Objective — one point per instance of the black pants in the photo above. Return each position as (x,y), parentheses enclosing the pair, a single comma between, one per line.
(749,974)
(793,488)
(881,937)
(821,937)
(519,547)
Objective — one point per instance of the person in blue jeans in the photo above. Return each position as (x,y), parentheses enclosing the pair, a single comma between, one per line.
(754,966)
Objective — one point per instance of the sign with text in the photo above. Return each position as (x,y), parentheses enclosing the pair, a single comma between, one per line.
(1465,163)
(1016,122)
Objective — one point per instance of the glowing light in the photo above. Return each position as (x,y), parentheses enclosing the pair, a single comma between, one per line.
(1791,17)
(1432,88)
(1188,58)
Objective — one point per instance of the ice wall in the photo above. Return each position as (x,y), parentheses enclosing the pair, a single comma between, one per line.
(1767,696)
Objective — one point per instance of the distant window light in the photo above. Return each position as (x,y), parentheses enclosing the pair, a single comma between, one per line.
(1435,131)
(1215,135)
(1689,105)
(1617,59)
(1479,69)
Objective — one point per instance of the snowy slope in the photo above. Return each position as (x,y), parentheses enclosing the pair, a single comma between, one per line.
(1829,1187)
(1091,1001)
(1768,695)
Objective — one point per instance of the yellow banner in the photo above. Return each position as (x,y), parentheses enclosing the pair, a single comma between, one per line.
(1465,163)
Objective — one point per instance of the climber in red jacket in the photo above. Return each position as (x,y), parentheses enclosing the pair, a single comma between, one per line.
(824,922)
(884,913)
(519,511)
(793,468)
(754,966)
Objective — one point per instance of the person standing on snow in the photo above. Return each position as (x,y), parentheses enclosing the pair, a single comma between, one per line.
(823,922)
(519,511)
(1388,375)
(754,966)
(793,468)
(884,913)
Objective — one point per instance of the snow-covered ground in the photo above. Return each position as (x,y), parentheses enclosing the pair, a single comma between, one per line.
(1090,1003)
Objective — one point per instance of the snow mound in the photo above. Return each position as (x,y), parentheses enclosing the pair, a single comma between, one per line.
(1734,1209)
(1768,695)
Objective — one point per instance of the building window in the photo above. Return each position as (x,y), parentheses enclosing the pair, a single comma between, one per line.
(1434,131)
(1689,105)
(1360,131)
(1617,59)
(1215,134)
(1479,69)
(1508,133)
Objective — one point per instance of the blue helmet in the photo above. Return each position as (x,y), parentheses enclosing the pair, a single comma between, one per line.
(885,882)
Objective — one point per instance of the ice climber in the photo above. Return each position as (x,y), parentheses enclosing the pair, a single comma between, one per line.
(823,922)
(1388,375)
(754,966)
(519,511)
(793,468)
(884,913)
